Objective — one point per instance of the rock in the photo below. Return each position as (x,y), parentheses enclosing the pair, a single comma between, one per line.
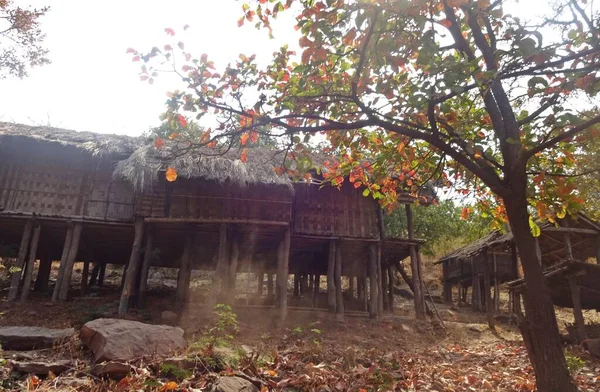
(233,384)
(477,327)
(124,340)
(112,369)
(31,338)
(41,368)
(169,317)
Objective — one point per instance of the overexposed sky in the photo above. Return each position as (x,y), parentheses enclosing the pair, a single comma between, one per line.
(92,85)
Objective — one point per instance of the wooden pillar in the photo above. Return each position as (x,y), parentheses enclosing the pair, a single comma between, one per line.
(260,281)
(487,288)
(316,289)
(420,311)
(148,255)
(384,291)
(351,287)
(43,276)
(475,292)
(390,290)
(538,250)
(234,256)
(269,285)
(331,295)
(20,263)
(447,291)
(28,272)
(133,266)
(101,275)
(311,281)
(598,249)
(296,285)
(577,311)
(360,288)
(63,261)
(459,286)
(496,284)
(185,270)
(380,294)
(84,277)
(568,248)
(283,258)
(339,297)
(73,249)
(373,303)
(220,268)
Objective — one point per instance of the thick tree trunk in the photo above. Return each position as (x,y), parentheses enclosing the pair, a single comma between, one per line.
(538,327)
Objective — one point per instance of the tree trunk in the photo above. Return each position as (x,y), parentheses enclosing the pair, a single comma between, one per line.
(416,270)
(538,327)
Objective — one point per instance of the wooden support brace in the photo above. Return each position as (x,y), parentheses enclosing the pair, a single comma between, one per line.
(331,295)
(339,297)
(28,272)
(133,266)
(577,311)
(148,255)
(73,249)
(20,263)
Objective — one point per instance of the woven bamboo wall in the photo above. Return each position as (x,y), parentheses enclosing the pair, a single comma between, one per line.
(201,199)
(461,269)
(335,212)
(60,182)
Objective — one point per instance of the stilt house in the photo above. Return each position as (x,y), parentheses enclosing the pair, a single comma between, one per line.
(103,199)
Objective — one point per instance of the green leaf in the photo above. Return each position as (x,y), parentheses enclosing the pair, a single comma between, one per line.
(527,46)
(535,229)
(366,192)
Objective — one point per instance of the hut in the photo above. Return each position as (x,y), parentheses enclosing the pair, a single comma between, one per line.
(75,196)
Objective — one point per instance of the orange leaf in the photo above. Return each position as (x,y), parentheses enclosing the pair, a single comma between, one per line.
(465,213)
(170,386)
(305,42)
(182,121)
(244,156)
(244,138)
(171,174)
(446,23)
(306,55)
(253,137)
(349,37)
(320,54)
(170,31)
(241,21)
(158,142)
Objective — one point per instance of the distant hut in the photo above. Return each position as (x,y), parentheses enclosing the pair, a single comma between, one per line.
(74,196)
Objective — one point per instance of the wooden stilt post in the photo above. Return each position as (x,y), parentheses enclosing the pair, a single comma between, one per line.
(390,272)
(311,281)
(496,284)
(488,290)
(598,249)
(447,284)
(351,287)
(234,256)
(296,285)
(20,263)
(84,277)
(269,285)
(220,268)
(183,277)
(148,255)
(374,301)
(43,277)
(316,289)
(380,294)
(260,280)
(94,275)
(63,261)
(420,311)
(331,295)
(568,247)
(577,312)
(339,295)
(101,275)
(133,266)
(283,271)
(74,248)
(360,288)
(28,272)
(384,291)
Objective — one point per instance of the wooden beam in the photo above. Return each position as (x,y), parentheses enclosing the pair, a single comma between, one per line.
(373,300)
(63,261)
(577,312)
(185,270)
(384,292)
(351,287)
(390,290)
(148,256)
(28,272)
(316,290)
(84,278)
(379,282)
(73,249)
(43,277)
(133,266)
(283,260)
(331,295)
(419,299)
(487,289)
(339,297)
(221,221)
(20,263)
(598,249)
(574,230)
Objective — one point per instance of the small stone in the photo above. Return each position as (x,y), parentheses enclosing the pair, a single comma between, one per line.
(233,384)
(31,338)
(112,369)
(169,317)
(41,368)
(477,327)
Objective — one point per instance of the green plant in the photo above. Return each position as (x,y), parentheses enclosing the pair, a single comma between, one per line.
(172,371)
(574,363)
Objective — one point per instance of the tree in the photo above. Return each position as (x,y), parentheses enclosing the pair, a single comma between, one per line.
(21,40)
(453,91)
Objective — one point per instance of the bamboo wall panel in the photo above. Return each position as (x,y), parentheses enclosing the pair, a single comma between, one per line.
(334,212)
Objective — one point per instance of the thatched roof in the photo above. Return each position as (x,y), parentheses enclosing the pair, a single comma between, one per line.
(146,163)
(494,239)
(93,143)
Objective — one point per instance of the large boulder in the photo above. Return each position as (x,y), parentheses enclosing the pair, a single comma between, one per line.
(233,384)
(124,340)
(31,338)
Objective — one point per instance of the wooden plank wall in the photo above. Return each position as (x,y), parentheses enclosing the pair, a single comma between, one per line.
(334,212)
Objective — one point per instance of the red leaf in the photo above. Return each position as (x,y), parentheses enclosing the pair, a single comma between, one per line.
(244,156)
(241,21)
(130,50)
(170,31)
(158,142)
(182,121)
(244,138)
(135,58)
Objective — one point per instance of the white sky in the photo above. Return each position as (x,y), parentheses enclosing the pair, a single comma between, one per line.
(92,85)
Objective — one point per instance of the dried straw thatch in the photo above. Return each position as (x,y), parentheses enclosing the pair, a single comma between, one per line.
(144,166)
(93,143)
(492,240)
